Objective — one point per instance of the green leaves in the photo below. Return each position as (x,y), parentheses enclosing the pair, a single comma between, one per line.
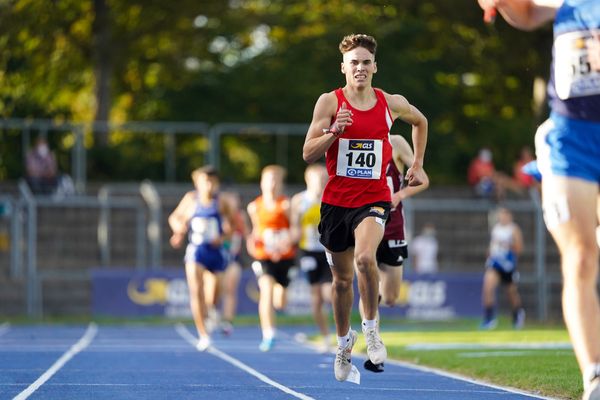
(268,61)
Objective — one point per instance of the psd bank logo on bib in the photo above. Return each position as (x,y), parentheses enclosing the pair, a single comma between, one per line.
(362,145)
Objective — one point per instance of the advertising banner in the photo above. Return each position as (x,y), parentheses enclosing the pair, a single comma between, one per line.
(437,297)
(128,292)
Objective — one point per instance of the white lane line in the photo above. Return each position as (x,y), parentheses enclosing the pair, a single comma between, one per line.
(489,346)
(485,354)
(84,342)
(465,379)
(4,328)
(191,339)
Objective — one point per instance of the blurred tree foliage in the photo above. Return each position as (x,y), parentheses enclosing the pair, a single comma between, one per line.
(261,61)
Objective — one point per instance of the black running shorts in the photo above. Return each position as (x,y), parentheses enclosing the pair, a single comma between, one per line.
(338,223)
(278,270)
(392,252)
(315,265)
(507,278)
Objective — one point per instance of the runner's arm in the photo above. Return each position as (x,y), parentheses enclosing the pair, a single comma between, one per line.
(317,142)
(251,238)
(524,14)
(295,232)
(401,108)
(518,240)
(403,154)
(226,210)
(178,220)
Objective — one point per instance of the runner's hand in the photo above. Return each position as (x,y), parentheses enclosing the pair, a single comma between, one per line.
(177,240)
(343,118)
(488,4)
(415,175)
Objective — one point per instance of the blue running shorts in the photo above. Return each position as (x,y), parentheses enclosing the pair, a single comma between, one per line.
(210,257)
(569,147)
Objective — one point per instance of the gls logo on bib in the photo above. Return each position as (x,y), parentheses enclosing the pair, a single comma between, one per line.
(365,145)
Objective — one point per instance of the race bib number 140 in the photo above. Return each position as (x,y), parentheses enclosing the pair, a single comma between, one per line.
(359,158)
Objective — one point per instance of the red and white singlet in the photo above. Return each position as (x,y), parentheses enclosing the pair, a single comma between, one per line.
(357,161)
(394,227)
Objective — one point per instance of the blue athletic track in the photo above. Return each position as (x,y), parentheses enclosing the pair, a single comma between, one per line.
(161,362)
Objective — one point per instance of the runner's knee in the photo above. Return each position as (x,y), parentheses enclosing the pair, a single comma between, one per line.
(389,299)
(342,283)
(364,261)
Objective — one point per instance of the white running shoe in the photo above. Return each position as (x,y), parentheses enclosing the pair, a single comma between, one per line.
(203,343)
(375,348)
(343,359)
(592,392)
(226,328)
(212,321)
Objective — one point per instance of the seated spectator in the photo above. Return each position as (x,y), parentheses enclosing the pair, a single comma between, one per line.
(486,181)
(521,178)
(41,168)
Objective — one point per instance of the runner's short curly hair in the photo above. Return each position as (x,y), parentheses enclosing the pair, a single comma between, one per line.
(350,42)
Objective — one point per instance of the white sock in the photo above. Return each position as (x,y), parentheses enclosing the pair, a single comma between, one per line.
(369,323)
(268,334)
(591,371)
(344,341)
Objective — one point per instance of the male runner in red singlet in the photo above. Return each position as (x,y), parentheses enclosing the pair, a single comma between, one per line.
(351,126)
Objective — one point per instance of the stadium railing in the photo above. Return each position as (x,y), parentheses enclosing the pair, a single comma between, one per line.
(126,226)
(64,235)
(462,224)
(463,227)
(9,228)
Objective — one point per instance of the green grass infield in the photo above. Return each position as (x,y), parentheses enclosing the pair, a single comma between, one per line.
(537,359)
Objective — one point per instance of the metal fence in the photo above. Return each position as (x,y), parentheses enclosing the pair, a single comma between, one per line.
(67,240)
(125,225)
(462,223)
(463,230)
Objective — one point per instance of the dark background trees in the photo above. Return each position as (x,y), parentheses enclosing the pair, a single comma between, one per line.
(262,61)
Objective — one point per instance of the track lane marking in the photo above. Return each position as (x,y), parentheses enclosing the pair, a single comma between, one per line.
(81,344)
(191,339)
(463,378)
